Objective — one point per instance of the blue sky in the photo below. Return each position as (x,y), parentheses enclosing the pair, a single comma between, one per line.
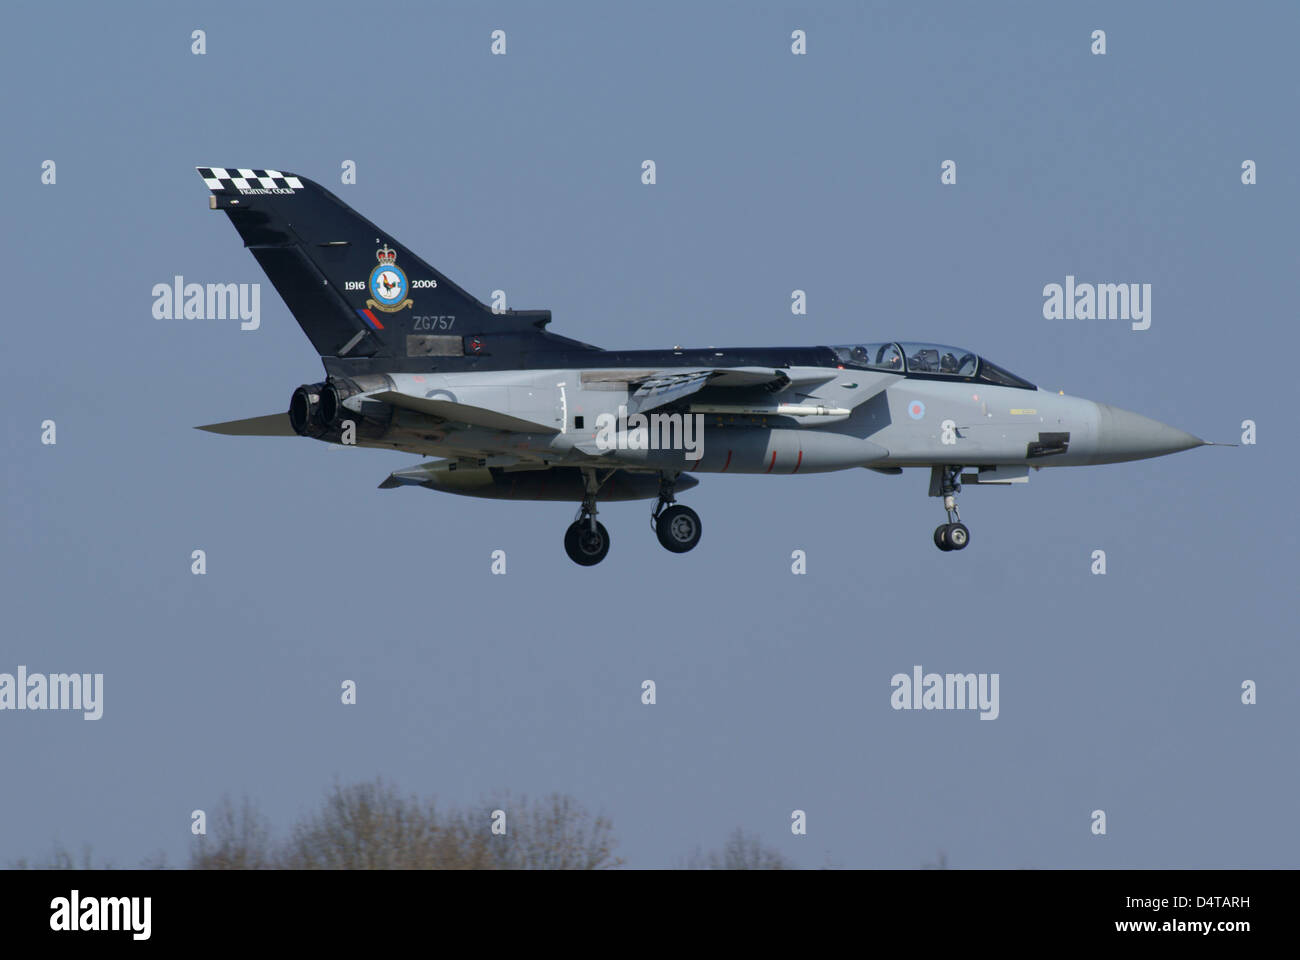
(775,172)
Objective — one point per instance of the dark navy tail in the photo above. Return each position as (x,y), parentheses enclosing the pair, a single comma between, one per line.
(364,300)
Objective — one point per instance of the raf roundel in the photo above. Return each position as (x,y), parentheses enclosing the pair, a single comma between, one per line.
(388,283)
(916,409)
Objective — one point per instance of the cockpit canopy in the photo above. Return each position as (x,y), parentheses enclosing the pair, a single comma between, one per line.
(927,360)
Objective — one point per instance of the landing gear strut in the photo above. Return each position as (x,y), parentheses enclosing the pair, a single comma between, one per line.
(677,527)
(946,482)
(587,541)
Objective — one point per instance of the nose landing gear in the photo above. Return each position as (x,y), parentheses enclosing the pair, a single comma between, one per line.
(946,482)
(951,536)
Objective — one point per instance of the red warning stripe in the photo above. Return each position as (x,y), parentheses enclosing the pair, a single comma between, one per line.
(797,462)
(772,464)
(727,464)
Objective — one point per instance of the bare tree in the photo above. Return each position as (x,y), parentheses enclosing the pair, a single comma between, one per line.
(742,851)
(61,858)
(556,833)
(371,826)
(941,863)
(239,840)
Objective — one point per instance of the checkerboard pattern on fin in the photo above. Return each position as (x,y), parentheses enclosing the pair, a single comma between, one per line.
(244,180)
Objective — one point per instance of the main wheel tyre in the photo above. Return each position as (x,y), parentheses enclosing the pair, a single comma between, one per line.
(583,546)
(941,537)
(678,528)
(958,536)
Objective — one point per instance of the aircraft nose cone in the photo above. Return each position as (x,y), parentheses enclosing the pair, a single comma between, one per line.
(1122,435)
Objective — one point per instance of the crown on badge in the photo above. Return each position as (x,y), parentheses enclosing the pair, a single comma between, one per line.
(386,256)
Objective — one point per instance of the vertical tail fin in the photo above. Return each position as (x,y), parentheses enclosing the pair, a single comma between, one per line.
(356,292)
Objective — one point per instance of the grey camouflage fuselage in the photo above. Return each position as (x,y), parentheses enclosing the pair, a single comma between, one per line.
(414,363)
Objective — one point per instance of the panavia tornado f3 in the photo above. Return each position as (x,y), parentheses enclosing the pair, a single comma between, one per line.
(512,411)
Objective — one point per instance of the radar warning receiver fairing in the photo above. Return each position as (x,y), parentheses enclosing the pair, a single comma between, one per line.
(512,411)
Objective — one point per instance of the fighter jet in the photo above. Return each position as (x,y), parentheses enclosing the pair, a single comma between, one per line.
(509,410)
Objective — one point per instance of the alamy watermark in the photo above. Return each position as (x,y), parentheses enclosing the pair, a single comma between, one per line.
(946,691)
(58,691)
(1101,301)
(75,913)
(212,301)
(656,431)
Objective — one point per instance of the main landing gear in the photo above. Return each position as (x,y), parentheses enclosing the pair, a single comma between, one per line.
(587,541)
(677,527)
(946,482)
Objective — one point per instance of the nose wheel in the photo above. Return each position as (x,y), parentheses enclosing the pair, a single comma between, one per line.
(951,536)
(946,482)
(678,527)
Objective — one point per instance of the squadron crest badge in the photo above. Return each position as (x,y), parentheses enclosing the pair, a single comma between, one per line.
(388,284)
